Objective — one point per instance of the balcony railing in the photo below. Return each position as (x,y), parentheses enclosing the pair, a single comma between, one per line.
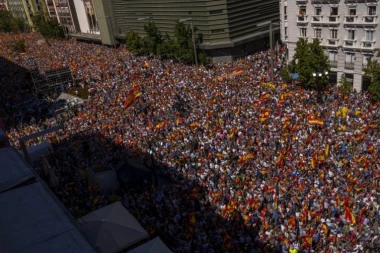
(349,43)
(302,18)
(333,19)
(350,19)
(349,65)
(369,19)
(317,18)
(333,64)
(368,44)
(332,42)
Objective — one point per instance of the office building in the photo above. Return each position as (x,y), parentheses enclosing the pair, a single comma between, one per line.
(347,29)
(26,9)
(228,27)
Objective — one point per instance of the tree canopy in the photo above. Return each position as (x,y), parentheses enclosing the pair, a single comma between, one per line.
(8,23)
(134,42)
(373,71)
(179,47)
(309,58)
(48,27)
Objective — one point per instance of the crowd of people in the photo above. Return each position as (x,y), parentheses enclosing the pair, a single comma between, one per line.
(251,164)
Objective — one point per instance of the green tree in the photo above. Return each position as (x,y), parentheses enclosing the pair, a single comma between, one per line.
(133,42)
(183,39)
(8,23)
(203,58)
(167,48)
(345,86)
(153,39)
(310,58)
(48,27)
(373,71)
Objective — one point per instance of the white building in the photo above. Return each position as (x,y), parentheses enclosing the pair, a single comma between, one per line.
(348,30)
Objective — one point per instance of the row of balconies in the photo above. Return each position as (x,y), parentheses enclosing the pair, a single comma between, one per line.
(347,65)
(347,20)
(334,1)
(347,43)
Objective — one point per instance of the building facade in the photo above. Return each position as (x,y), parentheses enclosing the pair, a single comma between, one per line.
(347,29)
(26,9)
(228,27)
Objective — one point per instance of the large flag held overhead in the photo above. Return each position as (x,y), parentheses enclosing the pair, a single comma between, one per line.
(132,96)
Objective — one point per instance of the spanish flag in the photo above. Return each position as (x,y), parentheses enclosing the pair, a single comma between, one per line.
(245,158)
(264,97)
(349,216)
(161,125)
(194,124)
(308,241)
(264,116)
(327,149)
(179,121)
(131,97)
(286,124)
(317,122)
(192,219)
(227,242)
(325,229)
(279,159)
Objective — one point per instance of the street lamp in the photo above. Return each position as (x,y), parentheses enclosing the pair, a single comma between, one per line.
(193,36)
(271,35)
(319,75)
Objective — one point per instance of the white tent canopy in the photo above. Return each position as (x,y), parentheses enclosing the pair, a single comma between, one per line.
(153,246)
(112,228)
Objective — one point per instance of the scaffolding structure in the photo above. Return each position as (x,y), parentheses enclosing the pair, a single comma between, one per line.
(52,82)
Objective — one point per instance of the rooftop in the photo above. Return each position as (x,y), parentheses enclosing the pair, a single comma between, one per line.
(31,218)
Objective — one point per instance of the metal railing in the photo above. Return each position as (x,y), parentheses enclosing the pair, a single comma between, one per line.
(349,65)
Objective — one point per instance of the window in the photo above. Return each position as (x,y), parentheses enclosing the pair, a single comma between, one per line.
(217,31)
(318,33)
(334,11)
(215,12)
(302,11)
(285,13)
(369,35)
(334,34)
(350,58)
(286,31)
(351,34)
(303,32)
(371,10)
(352,12)
(333,56)
(366,58)
(318,11)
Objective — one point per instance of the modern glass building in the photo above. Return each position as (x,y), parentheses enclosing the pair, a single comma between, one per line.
(228,27)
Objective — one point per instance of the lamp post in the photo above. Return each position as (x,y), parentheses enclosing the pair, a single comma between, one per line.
(193,37)
(318,75)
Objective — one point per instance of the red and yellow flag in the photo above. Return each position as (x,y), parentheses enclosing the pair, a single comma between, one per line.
(317,122)
(264,116)
(349,216)
(192,219)
(131,97)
